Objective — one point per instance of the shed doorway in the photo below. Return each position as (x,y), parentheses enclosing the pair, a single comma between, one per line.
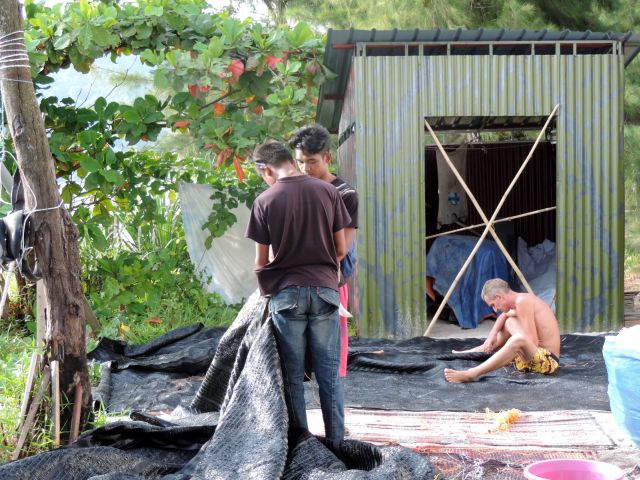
(488,152)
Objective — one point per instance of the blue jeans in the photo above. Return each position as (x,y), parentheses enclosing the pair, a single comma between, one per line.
(308,317)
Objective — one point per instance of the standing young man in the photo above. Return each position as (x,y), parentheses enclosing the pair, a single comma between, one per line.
(312,145)
(302,219)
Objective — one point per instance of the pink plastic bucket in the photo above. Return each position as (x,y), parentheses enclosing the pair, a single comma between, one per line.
(572,470)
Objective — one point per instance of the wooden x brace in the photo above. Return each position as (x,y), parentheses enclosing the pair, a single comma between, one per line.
(488,222)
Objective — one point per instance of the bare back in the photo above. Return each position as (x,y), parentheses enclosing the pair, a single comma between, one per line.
(547,331)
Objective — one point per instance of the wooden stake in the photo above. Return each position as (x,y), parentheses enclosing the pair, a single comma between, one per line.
(506,219)
(472,197)
(55,400)
(75,416)
(5,289)
(489,222)
(31,416)
(28,387)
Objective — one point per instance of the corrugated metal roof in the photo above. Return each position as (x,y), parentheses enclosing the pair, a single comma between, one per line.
(341,43)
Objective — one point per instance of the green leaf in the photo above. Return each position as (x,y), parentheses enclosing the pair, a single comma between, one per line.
(84,37)
(93,181)
(113,176)
(69,190)
(172,57)
(88,138)
(294,67)
(100,105)
(98,238)
(216,47)
(153,11)
(111,109)
(102,37)
(131,115)
(149,56)
(62,42)
(161,80)
(90,164)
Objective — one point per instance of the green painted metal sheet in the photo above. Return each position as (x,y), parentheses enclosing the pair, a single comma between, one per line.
(390,181)
(393,95)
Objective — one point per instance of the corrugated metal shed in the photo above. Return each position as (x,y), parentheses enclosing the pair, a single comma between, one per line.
(388,98)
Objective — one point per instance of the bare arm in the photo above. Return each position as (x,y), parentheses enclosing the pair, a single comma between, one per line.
(262,255)
(349,236)
(341,244)
(490,343)
(526,317)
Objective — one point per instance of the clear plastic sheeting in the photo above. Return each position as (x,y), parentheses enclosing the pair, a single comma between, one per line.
(227,267)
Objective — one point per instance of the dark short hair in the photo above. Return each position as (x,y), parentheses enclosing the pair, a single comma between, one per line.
(272,153)
(311,139)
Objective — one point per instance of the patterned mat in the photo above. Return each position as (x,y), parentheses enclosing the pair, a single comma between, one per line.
(457,463)
(563,429)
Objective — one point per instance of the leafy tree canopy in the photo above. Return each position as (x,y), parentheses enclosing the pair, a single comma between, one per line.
(228,84)
(595,15)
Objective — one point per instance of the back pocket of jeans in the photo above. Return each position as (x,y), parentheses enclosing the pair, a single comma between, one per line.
(286,299)
(330,296)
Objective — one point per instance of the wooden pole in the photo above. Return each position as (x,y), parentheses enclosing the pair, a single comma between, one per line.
(75,417)
(489,223)
(28,387)
(31,416)
(472,197)
(55,401)
(5,289)
(506,219)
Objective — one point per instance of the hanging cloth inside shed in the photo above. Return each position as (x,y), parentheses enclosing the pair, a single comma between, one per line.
(452,205)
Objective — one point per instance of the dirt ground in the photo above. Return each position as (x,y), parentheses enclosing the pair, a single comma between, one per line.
(631,282)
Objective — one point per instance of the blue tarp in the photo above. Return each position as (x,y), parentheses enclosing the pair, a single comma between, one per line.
(444,261)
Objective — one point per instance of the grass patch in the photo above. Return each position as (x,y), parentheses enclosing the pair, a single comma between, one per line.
(16,350)
(17,345)
(167,315)
(632,250)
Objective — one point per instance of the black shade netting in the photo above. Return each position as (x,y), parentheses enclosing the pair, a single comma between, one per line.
(251,439)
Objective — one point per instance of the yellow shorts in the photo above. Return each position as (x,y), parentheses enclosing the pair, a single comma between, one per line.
(543,362)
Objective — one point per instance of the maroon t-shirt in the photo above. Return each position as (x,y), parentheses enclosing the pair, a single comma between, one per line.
(298,216)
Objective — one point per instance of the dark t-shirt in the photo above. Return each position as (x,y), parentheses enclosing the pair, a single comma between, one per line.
(298,216)
(350,198)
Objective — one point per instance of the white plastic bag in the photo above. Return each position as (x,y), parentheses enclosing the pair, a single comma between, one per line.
(622,357)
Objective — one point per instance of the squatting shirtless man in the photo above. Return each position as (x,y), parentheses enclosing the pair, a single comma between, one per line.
(526,333)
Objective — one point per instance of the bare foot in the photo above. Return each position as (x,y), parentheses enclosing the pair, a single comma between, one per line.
(479,348)
(458,376)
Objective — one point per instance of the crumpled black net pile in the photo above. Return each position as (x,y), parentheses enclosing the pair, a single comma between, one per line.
(251,439)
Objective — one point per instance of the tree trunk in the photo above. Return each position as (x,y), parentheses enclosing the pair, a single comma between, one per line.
(56,236)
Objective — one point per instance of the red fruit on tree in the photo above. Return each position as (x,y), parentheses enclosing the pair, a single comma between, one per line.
(236,67)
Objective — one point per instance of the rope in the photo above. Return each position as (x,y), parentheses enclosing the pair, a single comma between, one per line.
(2,143)
(19,58)
(5,63)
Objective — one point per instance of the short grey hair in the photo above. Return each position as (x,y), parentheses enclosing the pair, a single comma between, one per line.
(494,286)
